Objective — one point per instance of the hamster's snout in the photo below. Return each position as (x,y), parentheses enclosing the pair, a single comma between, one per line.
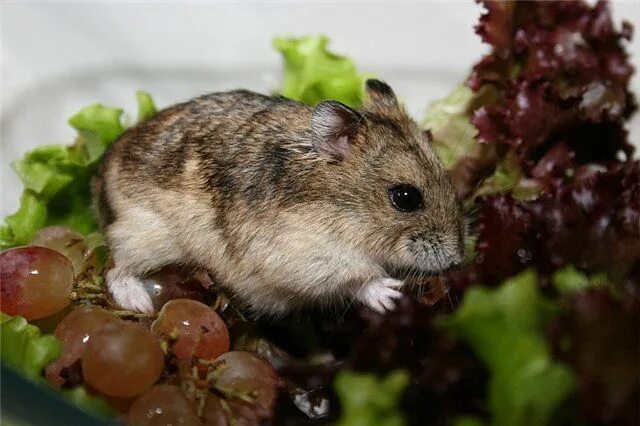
(436,251)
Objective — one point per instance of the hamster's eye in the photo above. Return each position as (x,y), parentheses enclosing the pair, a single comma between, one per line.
(405,198)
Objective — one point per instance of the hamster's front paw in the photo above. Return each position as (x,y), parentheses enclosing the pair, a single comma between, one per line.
(380,294)
(128,292)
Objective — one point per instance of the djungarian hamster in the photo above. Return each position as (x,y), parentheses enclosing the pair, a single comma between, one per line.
(286,205)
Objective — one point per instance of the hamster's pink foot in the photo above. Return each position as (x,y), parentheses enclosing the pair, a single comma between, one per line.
(128,292)
(380,294)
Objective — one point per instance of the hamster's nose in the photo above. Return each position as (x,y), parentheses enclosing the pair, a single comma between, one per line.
(452,258)
(456,258)
(455,254)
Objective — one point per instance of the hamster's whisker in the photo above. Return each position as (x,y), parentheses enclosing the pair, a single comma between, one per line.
(355,296)
(403,247)
(485,175)
(451,302)
(458,145)
(413,273)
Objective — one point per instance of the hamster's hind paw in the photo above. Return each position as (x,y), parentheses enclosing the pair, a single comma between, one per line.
(129,293)
(380,294)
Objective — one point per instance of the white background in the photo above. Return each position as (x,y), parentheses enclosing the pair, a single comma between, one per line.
(59,56)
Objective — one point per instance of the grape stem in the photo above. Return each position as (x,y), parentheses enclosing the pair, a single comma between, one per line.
(190,388)
(228,392)
(89,286)
(91,296)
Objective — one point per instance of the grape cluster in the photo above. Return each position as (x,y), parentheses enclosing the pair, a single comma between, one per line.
(176,369)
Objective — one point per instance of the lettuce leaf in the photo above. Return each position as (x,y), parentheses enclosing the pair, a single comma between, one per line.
(454,138)
(544,91)
(22,225)
(313,74)
(508,177)
(146,106)
(569,280)
(57,178)
(101,121)
(93,404)
(468,421)
(505,328)
(25,348)
(371,401)
(448,120)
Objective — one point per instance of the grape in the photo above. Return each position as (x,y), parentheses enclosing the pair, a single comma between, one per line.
(35,282)
(237,413)
(243,374)
(68,243)
(123,359)
(48,324)
(119,405)
(163,405)
(243,414)
(193,328)
(213,412)
(75,331)
(172,283)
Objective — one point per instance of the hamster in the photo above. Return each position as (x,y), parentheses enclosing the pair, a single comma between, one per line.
(287,205)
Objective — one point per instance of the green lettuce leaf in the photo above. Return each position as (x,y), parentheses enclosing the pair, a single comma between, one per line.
(569,280)
(371,401)
(100,121)
(57,178)
(313,74)
(505,328)
(7,237)
(508,177)
(94,404)
(449,122)
(25,348)
(468,421)
(45,170)
(146,106)
(23,224)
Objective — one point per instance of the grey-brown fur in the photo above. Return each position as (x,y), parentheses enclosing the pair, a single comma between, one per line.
(286,204)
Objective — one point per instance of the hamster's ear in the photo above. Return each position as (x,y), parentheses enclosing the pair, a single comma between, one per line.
(380,94)
(334,126)
(427,136)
